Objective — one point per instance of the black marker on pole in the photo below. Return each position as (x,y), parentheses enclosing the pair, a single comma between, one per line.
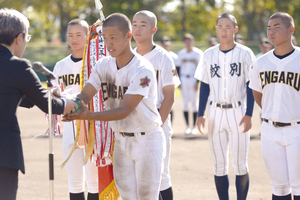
(39,67)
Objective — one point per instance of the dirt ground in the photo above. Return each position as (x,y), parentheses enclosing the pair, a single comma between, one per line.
(191,163)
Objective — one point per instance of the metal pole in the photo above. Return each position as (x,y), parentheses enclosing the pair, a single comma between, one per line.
(51,154)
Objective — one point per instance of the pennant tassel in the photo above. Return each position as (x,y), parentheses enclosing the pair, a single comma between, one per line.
(107,187)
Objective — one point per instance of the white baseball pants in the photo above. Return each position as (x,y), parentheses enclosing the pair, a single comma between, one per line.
(166,179)
(224,129)
(280,149)
(138,164)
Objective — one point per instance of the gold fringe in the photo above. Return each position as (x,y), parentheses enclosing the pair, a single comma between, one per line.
(110,192)
(74,146)
(81,86)
(91,140)
(84,59)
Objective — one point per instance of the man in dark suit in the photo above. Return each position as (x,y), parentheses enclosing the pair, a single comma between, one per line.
(17,80)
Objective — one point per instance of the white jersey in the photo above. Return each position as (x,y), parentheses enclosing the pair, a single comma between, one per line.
(279,82)
(259,55)
(188,61)
(165,70)
(68,72)
(226,73)
(174,57)
(136,78)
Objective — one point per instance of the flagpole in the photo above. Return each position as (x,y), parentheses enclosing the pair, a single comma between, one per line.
(51,154)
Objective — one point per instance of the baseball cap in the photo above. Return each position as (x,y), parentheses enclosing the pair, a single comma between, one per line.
(188,36)
(265,42)
(166,40)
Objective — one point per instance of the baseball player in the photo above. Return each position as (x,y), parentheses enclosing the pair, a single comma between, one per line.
(294,41)
(240,39)
(212,41)
(68,73)
(224,83)
(264,46)
(188,59)
(129,91)
(166,44)
(275,84)
(143,29)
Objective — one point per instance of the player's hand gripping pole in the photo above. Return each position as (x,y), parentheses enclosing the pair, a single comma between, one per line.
(51,154)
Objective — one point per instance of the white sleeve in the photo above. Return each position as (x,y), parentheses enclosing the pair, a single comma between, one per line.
(168,72)
(201,72)
(141,82)
(249,62)
(94,78)
(56,73)
(178,61)
(255,81)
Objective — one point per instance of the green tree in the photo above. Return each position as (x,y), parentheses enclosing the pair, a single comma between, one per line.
(253,15)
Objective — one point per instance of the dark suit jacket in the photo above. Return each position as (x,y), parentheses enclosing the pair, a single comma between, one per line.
(17,79)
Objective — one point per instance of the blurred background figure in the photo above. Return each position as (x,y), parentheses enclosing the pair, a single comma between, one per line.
(69,49)
(264,46)
(294,41)
(240,39)
(188,59)
(166,44)
(212,41)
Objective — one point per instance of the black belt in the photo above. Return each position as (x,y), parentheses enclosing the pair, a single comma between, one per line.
(125,134)
(279,124)
(225,105)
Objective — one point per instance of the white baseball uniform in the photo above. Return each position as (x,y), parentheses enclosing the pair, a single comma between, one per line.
(138,160)
(165,75)
(279,82)
(188,62)
(68,72)
(227,75)
(174,57)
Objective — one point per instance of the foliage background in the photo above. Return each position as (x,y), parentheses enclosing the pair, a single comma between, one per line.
(49,19)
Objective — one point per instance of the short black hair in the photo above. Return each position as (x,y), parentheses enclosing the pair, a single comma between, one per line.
(80,22)
(285,17)
(119,20)
(228,16)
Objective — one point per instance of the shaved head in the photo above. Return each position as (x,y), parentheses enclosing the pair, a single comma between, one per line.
(151,16)
(119,20)
(285,18)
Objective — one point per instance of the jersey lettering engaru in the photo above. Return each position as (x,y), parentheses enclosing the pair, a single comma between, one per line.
(136,78)
(68,72)
(279,82)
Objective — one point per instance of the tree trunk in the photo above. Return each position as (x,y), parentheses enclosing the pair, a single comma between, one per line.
(64,20)
(183,21)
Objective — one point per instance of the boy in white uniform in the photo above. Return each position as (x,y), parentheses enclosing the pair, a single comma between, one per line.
(275,84)
(188,59)
(143,28)
(129,90)
(224,76)
(67,72)
(166,44)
